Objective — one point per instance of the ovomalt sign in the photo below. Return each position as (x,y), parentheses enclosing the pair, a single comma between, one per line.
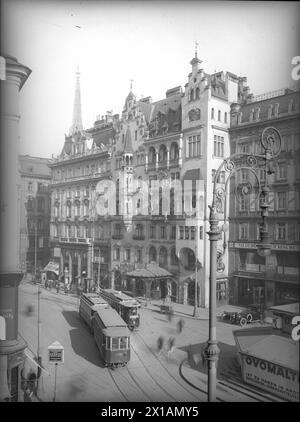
(269,376)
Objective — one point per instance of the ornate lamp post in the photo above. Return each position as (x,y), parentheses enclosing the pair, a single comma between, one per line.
(271,144)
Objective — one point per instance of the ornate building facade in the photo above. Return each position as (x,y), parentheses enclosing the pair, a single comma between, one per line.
(177,141)
(35,212)
(273,279)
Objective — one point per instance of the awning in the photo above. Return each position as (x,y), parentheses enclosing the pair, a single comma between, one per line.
(52,266)
(150,271)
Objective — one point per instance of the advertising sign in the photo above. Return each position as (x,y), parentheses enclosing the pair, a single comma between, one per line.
(275,379)
(56,353)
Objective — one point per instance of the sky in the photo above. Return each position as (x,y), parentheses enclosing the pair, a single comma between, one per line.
(152,43)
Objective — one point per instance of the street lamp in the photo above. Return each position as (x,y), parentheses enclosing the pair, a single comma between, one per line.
(38,357)
(271,145)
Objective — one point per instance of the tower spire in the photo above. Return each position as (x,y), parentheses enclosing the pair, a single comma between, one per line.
(77,118)
(196,49)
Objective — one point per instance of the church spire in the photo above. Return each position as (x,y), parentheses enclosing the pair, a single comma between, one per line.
(77,118)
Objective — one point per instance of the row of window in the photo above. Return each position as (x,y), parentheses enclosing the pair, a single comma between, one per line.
(67,211)
(281,231)
(219,115)
(278,201)
(162,256)
(81,171)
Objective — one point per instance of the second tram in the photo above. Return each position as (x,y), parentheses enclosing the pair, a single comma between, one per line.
(125,305)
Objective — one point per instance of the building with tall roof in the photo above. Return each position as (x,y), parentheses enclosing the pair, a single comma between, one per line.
(274,279)
(178,140)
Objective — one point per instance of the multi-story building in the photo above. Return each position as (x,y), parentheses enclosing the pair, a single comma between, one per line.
(35,212)
(273,279)
(180,139)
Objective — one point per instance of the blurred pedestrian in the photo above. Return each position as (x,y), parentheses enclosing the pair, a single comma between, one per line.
(180,325)
(160,344)
(171,343)
(170,314)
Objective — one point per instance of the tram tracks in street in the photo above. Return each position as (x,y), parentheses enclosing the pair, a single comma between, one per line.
(166,369)
(149,373)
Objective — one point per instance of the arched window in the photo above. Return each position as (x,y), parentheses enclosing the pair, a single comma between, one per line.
(219,115)
(192,95)
(212,113)
(197,93)
(163,257)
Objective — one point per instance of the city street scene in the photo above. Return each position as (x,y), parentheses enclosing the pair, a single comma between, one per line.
(150,202)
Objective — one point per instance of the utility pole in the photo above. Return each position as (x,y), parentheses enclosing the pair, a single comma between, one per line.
(196,310)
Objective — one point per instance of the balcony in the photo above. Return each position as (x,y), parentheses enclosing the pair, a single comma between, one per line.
(81,240)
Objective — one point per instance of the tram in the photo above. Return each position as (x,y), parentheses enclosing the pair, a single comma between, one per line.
(89,303)
(125,305)
(112,337)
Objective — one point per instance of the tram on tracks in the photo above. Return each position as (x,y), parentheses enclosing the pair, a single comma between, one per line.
(125,305)
(112,337)
(89,303)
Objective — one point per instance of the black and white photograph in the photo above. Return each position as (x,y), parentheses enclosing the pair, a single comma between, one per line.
(150,203)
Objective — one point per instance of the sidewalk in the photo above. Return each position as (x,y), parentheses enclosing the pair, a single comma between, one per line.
(188,310)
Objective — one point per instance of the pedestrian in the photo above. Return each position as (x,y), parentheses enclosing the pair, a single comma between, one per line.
(160,344)
(180,325)
(171,343)
(170,314)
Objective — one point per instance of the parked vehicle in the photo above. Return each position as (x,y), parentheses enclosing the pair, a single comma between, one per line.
(253,313)
(125,305)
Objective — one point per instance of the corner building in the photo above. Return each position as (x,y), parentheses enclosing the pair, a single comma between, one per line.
(271,280)
(183,138)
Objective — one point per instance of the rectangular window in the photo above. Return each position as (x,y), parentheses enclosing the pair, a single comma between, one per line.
(282,171)
(127,254)
(193,233)
(194,146)
(201,232)
(139,255)
(187,233)
(173,232)
(281,231)
(243,203)
(115,343)
(281,200)
(218,146)
(162,232)
(225,117)
(212,113)
(181,231)
(152,232)
(243,231)
(219,115)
